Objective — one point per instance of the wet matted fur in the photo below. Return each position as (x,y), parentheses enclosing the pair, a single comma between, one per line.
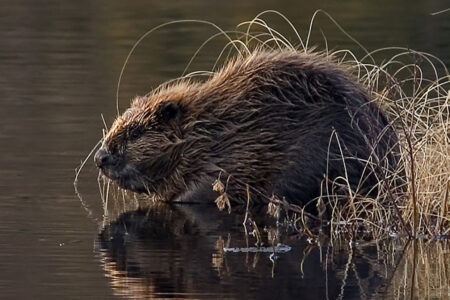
(283,122)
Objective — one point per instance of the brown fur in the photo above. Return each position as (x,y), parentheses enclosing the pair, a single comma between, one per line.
(271,119)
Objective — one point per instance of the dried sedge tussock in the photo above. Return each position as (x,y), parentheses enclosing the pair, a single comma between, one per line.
(420,114)
(413,88)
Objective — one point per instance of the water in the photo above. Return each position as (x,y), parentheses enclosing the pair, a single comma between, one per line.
(60,63)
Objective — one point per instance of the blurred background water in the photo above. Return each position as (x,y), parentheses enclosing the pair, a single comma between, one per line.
(59,64)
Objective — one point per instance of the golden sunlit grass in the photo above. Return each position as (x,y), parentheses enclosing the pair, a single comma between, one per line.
(413,201)
(419,109)
(414,90)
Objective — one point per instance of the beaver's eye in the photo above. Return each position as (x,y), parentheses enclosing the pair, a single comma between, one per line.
(135,133)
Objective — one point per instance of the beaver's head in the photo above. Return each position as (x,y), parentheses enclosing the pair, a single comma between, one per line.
(143,146)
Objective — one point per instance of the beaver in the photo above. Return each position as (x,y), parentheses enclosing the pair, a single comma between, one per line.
(282,122)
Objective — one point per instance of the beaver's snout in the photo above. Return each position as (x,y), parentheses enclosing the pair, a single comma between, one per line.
(114,167)
(104,159)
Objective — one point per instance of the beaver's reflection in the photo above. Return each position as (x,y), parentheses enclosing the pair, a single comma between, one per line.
(176,251)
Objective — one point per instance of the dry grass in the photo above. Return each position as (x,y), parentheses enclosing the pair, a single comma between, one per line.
(419,110)
(413,88)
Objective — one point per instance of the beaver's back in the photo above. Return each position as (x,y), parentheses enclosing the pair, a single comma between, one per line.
(282,121)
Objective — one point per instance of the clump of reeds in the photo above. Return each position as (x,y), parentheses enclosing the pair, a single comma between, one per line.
(413,88)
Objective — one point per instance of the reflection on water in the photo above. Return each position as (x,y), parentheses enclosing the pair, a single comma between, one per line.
(177,251)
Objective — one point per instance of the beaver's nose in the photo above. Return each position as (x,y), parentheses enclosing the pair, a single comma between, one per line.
(103,158)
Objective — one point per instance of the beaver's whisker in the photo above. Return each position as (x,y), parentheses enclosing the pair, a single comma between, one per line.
(83,162)
(104,124)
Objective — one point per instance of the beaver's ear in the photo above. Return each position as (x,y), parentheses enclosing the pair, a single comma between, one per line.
(168,110)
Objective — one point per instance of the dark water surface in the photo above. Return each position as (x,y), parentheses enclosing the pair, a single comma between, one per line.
(59,64)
